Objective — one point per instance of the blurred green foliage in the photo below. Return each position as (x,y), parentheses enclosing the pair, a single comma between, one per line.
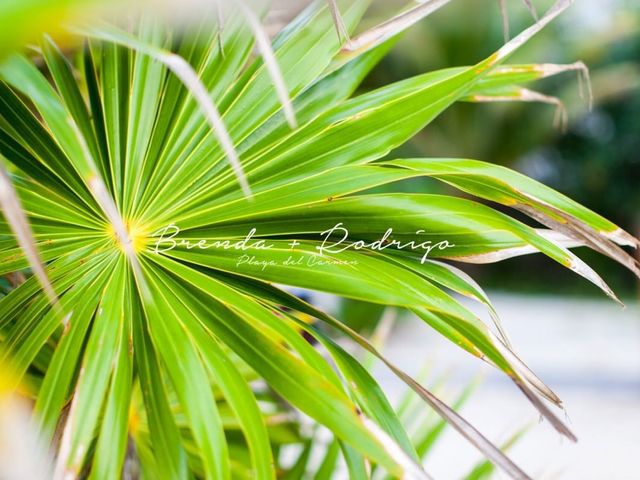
(21,21)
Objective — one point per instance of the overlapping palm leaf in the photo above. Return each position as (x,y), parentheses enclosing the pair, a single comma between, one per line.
(106,154)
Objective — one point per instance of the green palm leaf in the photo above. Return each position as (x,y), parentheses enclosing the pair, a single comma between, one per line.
(160,349)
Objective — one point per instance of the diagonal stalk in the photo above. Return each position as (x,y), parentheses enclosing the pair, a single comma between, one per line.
(17,220)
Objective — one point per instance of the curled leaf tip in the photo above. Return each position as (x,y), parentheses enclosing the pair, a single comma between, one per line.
(584,83)
(532,9)
(584,270)
(502,4)
(524,36)
(341,28)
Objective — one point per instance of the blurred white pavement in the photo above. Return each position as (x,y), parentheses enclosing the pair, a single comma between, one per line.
(588,351)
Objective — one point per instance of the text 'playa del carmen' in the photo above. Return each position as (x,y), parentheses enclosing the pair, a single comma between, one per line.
(333,241)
